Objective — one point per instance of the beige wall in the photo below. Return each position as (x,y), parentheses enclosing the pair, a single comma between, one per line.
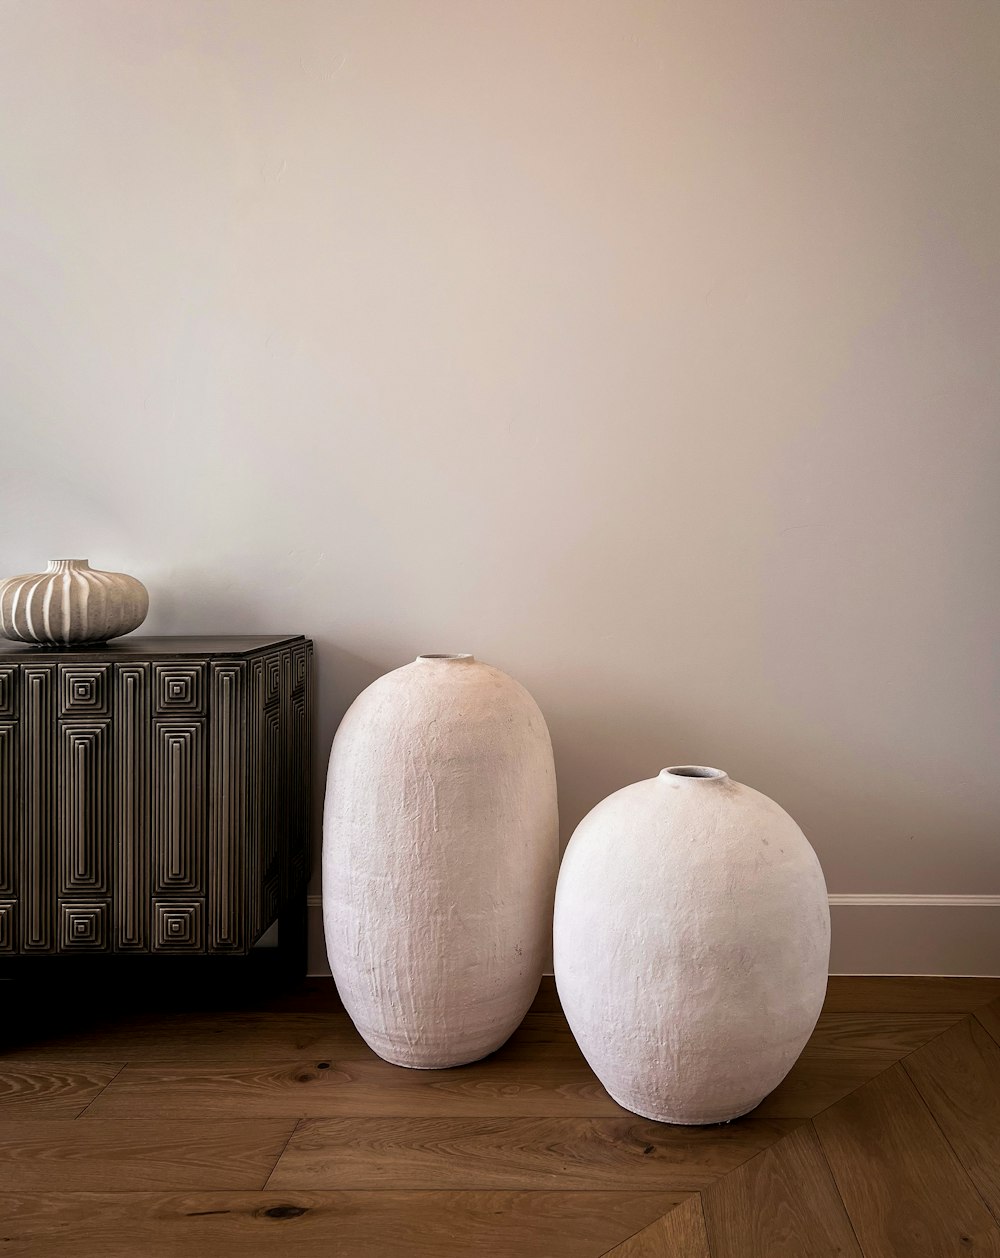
(648,350)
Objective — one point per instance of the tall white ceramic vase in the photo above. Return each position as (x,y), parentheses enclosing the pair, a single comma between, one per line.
(440,852)
(692,943)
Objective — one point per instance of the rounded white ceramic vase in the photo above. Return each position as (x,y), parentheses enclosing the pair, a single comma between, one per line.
(440,853)
(692,944)
(71,604)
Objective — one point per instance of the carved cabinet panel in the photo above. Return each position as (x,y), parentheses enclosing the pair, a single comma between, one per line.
(154,793)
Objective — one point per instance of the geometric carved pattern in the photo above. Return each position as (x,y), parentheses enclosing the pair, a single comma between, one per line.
(37,882)
(177,832)
(272,672)
(131,819)
(180,689)
(83,806)
(85,689)
(253,708)
(300,800)
(270,897)
(10,810)
(152,799)
(178,925)
(272,792)
(8,926)
(227,829)
(8,690)
(83,925)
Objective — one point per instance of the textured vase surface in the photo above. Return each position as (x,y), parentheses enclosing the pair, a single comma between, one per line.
(692,944)
(71,604)
(440,852)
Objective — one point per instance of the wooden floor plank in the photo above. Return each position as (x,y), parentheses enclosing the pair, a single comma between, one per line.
(958,1075)
(680,1233)
(53,1089)
(815,1082)
(541,1032)
(908,994)
(163,1157)
(198,1037)
(904,1189)
(989,1017)
(888,1033)
(543,1084)
(325,1225)
(113,1155)
(249,1037)
(782,1204)
(322,1029)
(525,1153)
(356,1089)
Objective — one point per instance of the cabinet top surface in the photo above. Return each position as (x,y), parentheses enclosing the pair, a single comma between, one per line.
(137,646)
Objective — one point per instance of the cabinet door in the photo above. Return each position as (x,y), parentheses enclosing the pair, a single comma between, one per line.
(178,829)
(37,831)
(300,782)
(9,807)
(84,791)
(272,800)
(229,869)
(83,803)
(131,807)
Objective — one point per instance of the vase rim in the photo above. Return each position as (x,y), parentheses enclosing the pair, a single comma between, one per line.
(55,564)
(693,773)
(444,658)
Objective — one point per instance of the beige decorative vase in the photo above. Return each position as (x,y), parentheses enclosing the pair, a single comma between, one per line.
(71,604)
(692,939)
(440,848)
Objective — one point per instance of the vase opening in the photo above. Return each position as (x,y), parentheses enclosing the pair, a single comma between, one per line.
(61,565)
(445,656)
(693,771)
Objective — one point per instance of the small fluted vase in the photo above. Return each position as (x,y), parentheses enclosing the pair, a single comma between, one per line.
(71,604)
(440,850)
(692,942)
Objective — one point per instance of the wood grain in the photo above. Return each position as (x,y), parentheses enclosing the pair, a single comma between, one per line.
(540,1032)
(558,1153)
(324,1225)
(782,1204)
(53,1090)
(165,1153)
(989,1017)
(678,1234)
(908,994)
(96,1156)
(196,1037)
(544,1083)
(903,1187)
(355,1089)
(814,1083)
(888,1033)
(958,1075)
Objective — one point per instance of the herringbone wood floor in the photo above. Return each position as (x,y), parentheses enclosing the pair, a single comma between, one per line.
(265,1127)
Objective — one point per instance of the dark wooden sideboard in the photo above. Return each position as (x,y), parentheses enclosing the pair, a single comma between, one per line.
(154,794)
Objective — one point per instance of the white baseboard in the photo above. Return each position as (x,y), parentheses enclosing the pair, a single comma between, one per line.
(873,933)
(915,934)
